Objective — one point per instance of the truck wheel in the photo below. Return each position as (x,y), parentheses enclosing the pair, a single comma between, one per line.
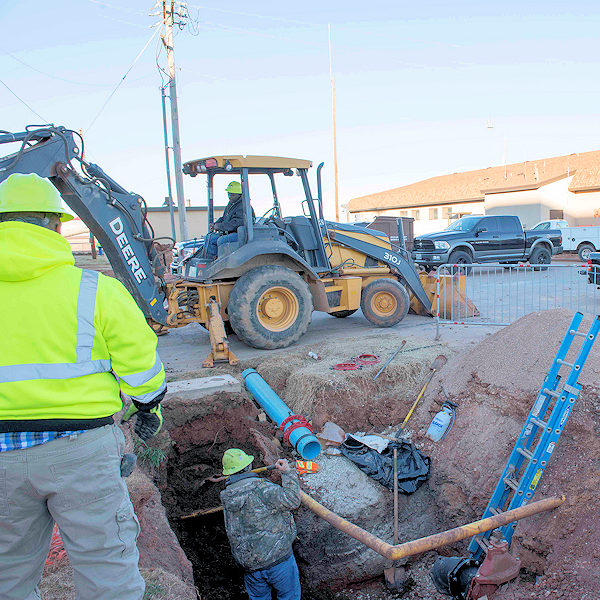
(540,256)
(384,302)
(584,251)
(270,307)
(342,314)
(461,257)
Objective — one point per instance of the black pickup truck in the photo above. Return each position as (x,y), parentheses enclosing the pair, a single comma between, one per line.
(477,239)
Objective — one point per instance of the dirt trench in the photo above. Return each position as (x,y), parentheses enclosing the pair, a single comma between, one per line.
(559,551)
(332,565)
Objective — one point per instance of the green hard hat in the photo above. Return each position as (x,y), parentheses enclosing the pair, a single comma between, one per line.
(31,193)
(234,187)
(235,460)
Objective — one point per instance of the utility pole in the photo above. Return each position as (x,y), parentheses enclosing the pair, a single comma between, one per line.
(167,161)
(335,164)
(169,20)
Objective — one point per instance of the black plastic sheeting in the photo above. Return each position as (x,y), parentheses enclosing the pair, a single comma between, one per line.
(413,466)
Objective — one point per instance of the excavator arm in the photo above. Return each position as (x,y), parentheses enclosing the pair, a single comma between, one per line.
(116,217)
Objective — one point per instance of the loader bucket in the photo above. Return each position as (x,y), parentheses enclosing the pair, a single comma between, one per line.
(454,302)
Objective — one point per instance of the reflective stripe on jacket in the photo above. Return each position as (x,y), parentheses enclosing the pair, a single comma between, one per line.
(71,339)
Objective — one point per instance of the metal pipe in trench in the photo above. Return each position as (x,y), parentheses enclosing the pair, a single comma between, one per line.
(433,541)
(302,438)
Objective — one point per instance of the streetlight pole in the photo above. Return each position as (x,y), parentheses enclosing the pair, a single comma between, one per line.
(335,163)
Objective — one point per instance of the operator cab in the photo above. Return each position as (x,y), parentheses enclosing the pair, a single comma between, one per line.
(304,235)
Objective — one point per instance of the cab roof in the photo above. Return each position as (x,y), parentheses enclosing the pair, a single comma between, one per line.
(233,163)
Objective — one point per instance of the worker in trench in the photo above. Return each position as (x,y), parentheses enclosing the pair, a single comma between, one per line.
(71,341)
(260,526)
(224,229)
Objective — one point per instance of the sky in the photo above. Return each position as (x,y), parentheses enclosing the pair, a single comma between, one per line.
(418,85)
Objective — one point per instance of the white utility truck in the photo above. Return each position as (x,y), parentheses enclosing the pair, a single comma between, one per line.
(582,240)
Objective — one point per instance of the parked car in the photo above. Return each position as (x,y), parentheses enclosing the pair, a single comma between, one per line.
(478,239)
(594,268)
(183,250)
(582,240)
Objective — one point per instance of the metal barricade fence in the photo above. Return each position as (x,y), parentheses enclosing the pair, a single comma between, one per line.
(498,294)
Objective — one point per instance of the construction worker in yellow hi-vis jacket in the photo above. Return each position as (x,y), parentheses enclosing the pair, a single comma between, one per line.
(72,340)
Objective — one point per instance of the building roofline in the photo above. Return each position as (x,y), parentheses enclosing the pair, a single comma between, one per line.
(423,205)
(533,186)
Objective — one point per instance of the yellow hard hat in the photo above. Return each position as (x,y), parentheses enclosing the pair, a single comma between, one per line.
(234,187)
(31,193)
(235,460)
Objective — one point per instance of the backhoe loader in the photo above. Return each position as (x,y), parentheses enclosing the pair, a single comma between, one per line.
(265,284)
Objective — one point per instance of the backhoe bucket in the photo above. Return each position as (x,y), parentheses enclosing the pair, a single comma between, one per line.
(454,302)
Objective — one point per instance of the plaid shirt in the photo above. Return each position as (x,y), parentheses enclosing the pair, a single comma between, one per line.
(19,440)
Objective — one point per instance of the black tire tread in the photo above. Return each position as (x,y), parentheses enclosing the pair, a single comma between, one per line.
(583,247)
(244,296)
(389,285)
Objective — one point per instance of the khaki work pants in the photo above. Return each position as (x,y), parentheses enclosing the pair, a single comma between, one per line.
(76,482)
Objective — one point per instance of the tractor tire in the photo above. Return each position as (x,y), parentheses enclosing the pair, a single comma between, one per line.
(540,256)
(342,314)
(584,251)
(460,257)
(384,302)
(270,307)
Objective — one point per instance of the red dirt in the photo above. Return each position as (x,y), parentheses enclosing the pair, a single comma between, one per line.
(561,547)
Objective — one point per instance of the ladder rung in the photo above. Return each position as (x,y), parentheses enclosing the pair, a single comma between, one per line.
(511,483)
(551,393)
(539,422)
(565,363)
(483,543)
(495,511)
(579,333)
(571,389)
(528,455)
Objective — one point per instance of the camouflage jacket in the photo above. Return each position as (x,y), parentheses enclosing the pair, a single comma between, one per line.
(259,524)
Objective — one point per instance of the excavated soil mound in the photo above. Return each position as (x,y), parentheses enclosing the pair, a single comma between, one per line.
(495,386)
(351,398)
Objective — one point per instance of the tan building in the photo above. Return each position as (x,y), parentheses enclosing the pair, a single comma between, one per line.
(560,187)
(78,235)
(197,218)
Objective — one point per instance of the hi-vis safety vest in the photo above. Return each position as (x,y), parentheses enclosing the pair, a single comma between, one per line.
(70,339)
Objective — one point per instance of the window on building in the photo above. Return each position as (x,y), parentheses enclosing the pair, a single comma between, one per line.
(446,212)
(403,213)
(434,213)
(416,214)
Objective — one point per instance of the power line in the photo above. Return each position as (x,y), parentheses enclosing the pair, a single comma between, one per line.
(123,78)
(116,6)
(37,114)
(254,15)
(19,60)
(232,28)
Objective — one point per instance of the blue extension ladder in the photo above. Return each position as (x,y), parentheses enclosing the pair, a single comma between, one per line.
(532,452)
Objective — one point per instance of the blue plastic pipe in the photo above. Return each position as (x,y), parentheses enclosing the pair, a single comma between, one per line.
(302,439)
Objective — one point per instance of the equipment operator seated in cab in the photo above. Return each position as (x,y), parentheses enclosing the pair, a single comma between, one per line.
(224,229)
